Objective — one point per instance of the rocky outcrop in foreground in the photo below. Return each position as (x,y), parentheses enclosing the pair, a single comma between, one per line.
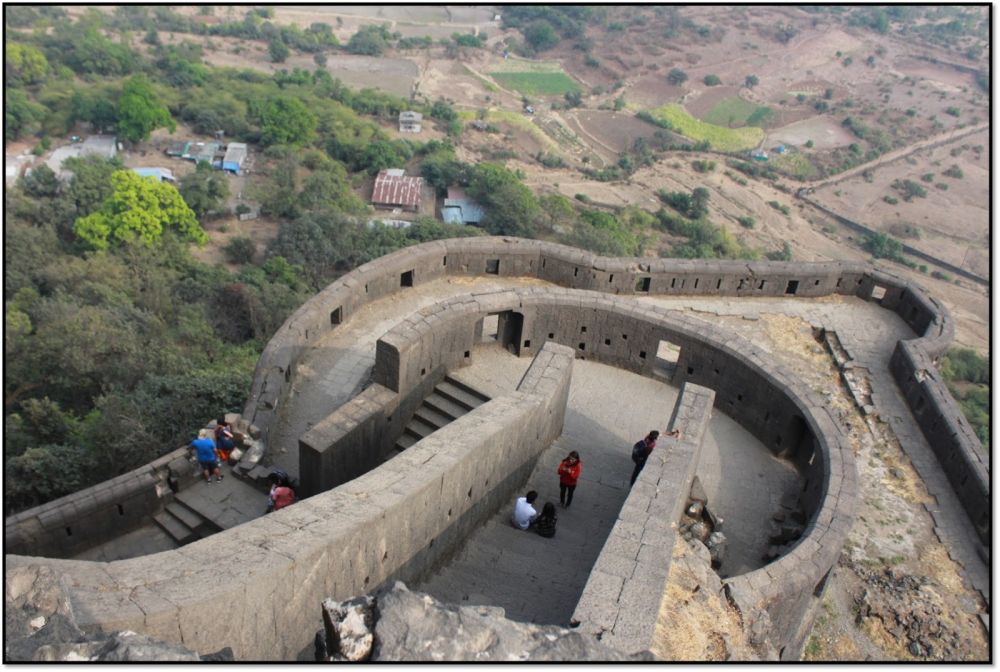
(399,625)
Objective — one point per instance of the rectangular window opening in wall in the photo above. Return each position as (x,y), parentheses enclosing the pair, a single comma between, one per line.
(491,327)
(406,279)
(792,287)
(69,532)
(761,284)
(467,354)
(743,283)
(366,288)
(527,343)
(718,284)
(493,266)
(335,316)
(444,260)
(673,282)
(683,282)
(624,337)
(607,341)
(816,284)
(575,272)
(696,283)
(582,346)
(121,509)
(839,280)
(611,277)
(690,370)
(642,354)
(583,330)
(642,285)
(665,364)
(551,336)
(878,293)
(543,263)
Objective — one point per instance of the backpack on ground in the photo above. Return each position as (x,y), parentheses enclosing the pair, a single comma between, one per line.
(639,451)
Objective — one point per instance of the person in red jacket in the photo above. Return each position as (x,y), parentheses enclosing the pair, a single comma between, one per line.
(569,472)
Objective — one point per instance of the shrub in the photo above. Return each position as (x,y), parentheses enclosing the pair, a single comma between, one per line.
(938,275)
(891,200)
(954,172)
(746,221)
(703,166)
(810,144)
(909,189)
(927,177)
(583,198)
(676,76)
(780,207)
(240,250)
(882,246)
(712,80)
(243,209)
(953,111)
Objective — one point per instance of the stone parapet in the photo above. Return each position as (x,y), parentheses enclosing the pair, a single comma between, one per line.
(621,601)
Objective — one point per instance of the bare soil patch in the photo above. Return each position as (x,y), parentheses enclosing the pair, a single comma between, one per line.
(825,132)
(614,130)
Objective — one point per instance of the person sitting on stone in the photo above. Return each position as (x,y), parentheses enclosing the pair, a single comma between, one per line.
(524,513)
(281,494)
(545,524)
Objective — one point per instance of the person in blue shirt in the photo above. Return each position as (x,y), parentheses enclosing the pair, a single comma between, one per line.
(205,448)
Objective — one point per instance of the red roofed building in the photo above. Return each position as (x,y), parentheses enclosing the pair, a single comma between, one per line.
(393,189)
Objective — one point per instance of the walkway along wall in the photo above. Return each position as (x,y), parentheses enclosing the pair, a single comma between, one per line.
(257,587)
(940,418)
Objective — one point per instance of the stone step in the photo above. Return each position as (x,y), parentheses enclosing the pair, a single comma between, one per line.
(185,515)
(468,389)
(460,396)
(177,530)
(404,442)
(419,428)
(432,417)
(444,406)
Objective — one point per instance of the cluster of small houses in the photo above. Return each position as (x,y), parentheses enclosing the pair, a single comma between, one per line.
(393,189)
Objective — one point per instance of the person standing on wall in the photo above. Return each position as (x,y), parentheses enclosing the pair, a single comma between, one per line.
(644,448)
(569,472)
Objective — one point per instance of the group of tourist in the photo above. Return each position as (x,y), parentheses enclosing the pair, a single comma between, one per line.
(213,448)
(526,517)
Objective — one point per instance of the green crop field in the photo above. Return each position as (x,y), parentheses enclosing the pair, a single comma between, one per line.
(718,137)
(735,112)
(796,165)
(537,83)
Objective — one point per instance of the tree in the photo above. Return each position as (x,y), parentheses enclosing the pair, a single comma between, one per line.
(204,190)
(540,35)
(91,183)
(23,63)
(712,80)
(21,116)
(751,81)
(319,58)
(676,76)
(96,107)
(368,41)
(139,208)
(278,51)
(240,250)
(285,120)
(573,99)
(511,208)
(140,111)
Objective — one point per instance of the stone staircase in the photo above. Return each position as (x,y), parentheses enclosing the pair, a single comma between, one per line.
(450,400)
(183,523)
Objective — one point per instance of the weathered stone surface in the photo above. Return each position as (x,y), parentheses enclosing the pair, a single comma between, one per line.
(416,627)
(348,628)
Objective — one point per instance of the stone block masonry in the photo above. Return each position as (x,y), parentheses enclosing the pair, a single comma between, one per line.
(621,600)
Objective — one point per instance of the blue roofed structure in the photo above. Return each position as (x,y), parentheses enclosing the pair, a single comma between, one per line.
(458,208)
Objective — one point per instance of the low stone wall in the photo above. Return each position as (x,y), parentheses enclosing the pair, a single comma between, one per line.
(395,521)
(84,519)
(621,601)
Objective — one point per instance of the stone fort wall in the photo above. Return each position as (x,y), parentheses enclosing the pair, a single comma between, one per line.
(782,589)
(783,414)
(913,365)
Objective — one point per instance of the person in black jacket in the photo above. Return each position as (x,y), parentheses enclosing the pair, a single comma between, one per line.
(545,524)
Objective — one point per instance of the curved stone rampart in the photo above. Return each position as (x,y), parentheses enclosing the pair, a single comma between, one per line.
(913,366)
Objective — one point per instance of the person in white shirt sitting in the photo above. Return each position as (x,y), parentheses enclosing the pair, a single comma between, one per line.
(524,512)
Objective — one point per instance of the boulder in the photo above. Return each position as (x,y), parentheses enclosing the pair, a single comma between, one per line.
(348,628)
(416,627)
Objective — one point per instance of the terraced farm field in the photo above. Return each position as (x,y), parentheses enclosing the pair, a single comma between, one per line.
(720,138)
(537,83)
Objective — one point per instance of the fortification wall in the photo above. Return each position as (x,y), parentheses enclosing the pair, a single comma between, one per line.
(394,522)
(573,268)
(76,522)
(621,601)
